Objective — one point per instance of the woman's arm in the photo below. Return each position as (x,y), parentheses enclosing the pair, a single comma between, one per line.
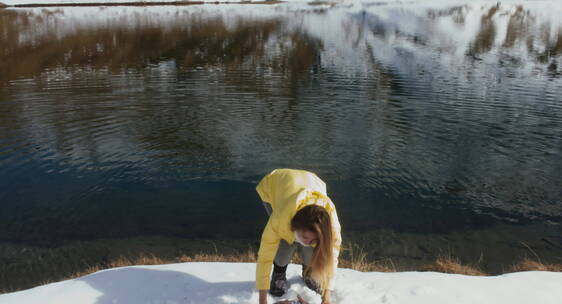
(266,254)
(263,297)
(326,297)
(336,230)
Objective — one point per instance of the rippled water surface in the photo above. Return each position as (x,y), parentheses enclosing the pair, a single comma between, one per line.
(434,118)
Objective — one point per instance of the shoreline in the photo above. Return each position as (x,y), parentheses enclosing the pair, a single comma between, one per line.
(355,261)
(136,3)
(474,252)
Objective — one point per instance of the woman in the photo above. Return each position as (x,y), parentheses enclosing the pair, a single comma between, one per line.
(301,217)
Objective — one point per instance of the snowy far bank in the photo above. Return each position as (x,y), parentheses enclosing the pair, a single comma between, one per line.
(340,2)
(218,283)
(120,2)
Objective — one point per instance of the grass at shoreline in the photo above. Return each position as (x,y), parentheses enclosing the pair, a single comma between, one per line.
(351,258)
(23,266)
(358,262)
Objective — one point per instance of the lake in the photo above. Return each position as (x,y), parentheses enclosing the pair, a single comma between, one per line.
(437,126)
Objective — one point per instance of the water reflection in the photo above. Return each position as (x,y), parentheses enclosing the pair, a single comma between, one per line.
(449,112)
(485,39)
(469,30)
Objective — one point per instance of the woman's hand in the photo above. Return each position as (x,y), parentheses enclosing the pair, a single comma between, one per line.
(299,299)
(326,299)
(263,297)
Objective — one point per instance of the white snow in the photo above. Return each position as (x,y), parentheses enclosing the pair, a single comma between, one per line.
(218,283)
(385,2)
(22,2)
(26,2)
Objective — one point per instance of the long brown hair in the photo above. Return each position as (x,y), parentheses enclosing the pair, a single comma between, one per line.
(316,219)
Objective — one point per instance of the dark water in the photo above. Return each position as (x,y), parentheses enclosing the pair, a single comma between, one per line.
(422,119)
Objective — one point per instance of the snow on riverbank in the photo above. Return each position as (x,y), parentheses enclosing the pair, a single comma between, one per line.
(218,283)
(100,2)
(345,2)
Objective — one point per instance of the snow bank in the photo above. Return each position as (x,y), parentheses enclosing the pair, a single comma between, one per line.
(44,2)
(377,2)
(219,283)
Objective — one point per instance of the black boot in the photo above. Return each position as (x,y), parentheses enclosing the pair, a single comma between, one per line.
(278,285)
(310,282)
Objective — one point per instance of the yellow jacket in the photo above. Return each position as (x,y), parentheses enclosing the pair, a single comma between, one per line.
(289,190)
